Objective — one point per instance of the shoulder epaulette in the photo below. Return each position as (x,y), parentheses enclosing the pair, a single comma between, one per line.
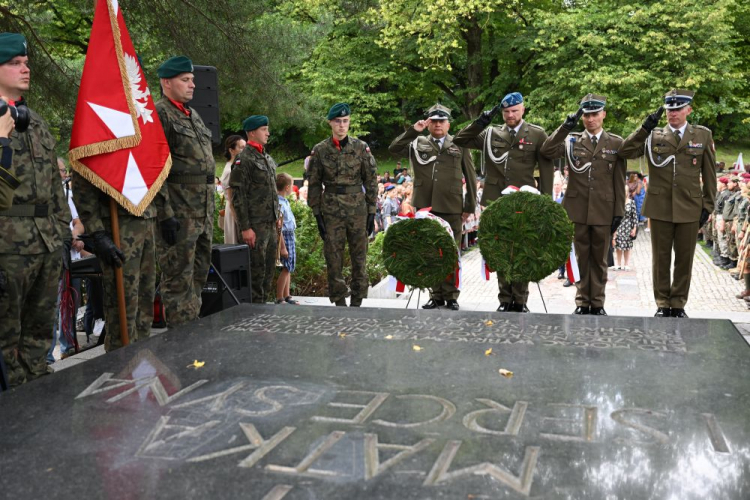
(535,126)
(615,136)
(702,127)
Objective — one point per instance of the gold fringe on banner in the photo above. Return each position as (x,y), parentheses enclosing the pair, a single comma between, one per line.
(120,198)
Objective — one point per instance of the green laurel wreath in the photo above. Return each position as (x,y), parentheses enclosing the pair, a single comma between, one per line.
(419,252)
(524,236)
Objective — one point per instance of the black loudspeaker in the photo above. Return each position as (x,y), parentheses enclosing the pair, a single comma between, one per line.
(206,99)
(233,262)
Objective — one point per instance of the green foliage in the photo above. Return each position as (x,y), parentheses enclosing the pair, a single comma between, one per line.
(419,252)
(376,270)
(309,278)
(524,236)
(218,235)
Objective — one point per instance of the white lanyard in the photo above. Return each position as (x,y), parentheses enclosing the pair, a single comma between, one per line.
(664,163)
(569,145)
(419,158)
(488,151)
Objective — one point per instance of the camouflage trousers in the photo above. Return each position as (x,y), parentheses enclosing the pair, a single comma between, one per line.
(263,260)
(184,269)
(139,281)
(27,313)
(340,230)
(731,241)
(722,240)
(708,231)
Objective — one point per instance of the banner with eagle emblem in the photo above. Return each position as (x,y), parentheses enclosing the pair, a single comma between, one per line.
(117,142)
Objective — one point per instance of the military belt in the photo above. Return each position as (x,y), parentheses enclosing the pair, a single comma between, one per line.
(344,189)
(190,179)
(27,211)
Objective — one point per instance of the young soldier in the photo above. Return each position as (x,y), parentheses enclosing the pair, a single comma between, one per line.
(439,166)
(595,199)
(342,193)
(511,154)
(256,205)
(679,156)
(33,229)
(186,200)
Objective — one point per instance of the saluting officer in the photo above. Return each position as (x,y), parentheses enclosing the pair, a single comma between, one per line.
(186,200)
(33,229)
(595,199)
(256,204)
(510,155)
(678,156)
(342,193)
(439,166)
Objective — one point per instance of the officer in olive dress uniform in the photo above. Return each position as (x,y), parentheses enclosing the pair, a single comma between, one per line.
(186,200)
(256,204)
(595,198)
(342,193)
(32,230)
(679,156)
(439,167)
(510,154)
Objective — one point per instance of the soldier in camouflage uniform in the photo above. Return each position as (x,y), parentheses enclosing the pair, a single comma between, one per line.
(342,193)
(185,203)
(739,218)
(720,242)
(728,214)
(256,204)
(32,230)
(8,181)
(137,257)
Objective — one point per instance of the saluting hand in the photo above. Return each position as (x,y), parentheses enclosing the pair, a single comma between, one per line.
(422,124)
(486,117)
(652,120)
(572,119)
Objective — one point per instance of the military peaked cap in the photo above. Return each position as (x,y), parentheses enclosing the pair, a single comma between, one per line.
(12,45)
(593,103)
(254,122)
(175,66)
(339,110)
(678,98)
(438,112)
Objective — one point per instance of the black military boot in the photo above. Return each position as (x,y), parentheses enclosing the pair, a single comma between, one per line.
(598,311)
(678,312)
(433,304)
(582,310)
(663,312)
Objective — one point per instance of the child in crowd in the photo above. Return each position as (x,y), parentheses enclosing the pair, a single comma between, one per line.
(391,206)
(287,249)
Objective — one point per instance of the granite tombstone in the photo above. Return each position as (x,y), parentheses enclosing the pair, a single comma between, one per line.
(270,403)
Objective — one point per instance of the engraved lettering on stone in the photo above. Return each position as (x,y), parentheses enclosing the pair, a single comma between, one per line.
(278,492)
(512,426)
(367,409)
(619,417)
(373,467)
(447,412)
(106,383)
(219,400)
(164,433)
(588,424)
(304,466)
(261,446)
(716,434)
(521,483)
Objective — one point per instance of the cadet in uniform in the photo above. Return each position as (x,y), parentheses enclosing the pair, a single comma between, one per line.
(342,193)
(595,199)
(256,204)
(728,214)
(678,156)
(438,166)
(720,242)
(186,200)
(510,154)
(33,228)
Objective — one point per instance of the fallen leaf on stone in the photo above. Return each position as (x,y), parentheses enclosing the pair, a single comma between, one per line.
(197,364)
(489,322)
(505,373)
(488,352)
(389,337)
(416,347)
(342,334)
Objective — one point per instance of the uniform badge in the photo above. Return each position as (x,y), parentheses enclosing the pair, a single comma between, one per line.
(578,163)
(496,150)
(609,167)
(658,158)
(424,156)
(520,146)
(695,160)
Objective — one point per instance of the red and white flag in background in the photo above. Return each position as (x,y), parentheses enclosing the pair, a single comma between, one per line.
(117,141)
(574,275)
(739,165)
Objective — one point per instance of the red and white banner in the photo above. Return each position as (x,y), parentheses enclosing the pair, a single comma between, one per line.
(739,166)
(117,142)
(574,274)
(485,270)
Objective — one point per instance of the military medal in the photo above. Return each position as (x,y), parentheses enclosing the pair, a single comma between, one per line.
(695,160)
(520,146)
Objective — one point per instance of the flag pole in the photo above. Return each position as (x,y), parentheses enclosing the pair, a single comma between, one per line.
(118,275)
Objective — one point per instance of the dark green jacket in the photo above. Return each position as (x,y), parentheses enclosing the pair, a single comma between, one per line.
(253,183)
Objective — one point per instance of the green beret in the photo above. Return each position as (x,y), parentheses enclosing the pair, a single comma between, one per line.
(11,45)
(175,66)
(339,110)
(254,122)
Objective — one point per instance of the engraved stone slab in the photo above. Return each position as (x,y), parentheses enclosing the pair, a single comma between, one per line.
(299,403)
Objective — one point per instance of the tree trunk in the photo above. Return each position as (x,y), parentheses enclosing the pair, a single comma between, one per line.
(474,70)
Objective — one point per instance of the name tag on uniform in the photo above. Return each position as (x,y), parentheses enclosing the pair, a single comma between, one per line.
(692,144)
(609,151)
